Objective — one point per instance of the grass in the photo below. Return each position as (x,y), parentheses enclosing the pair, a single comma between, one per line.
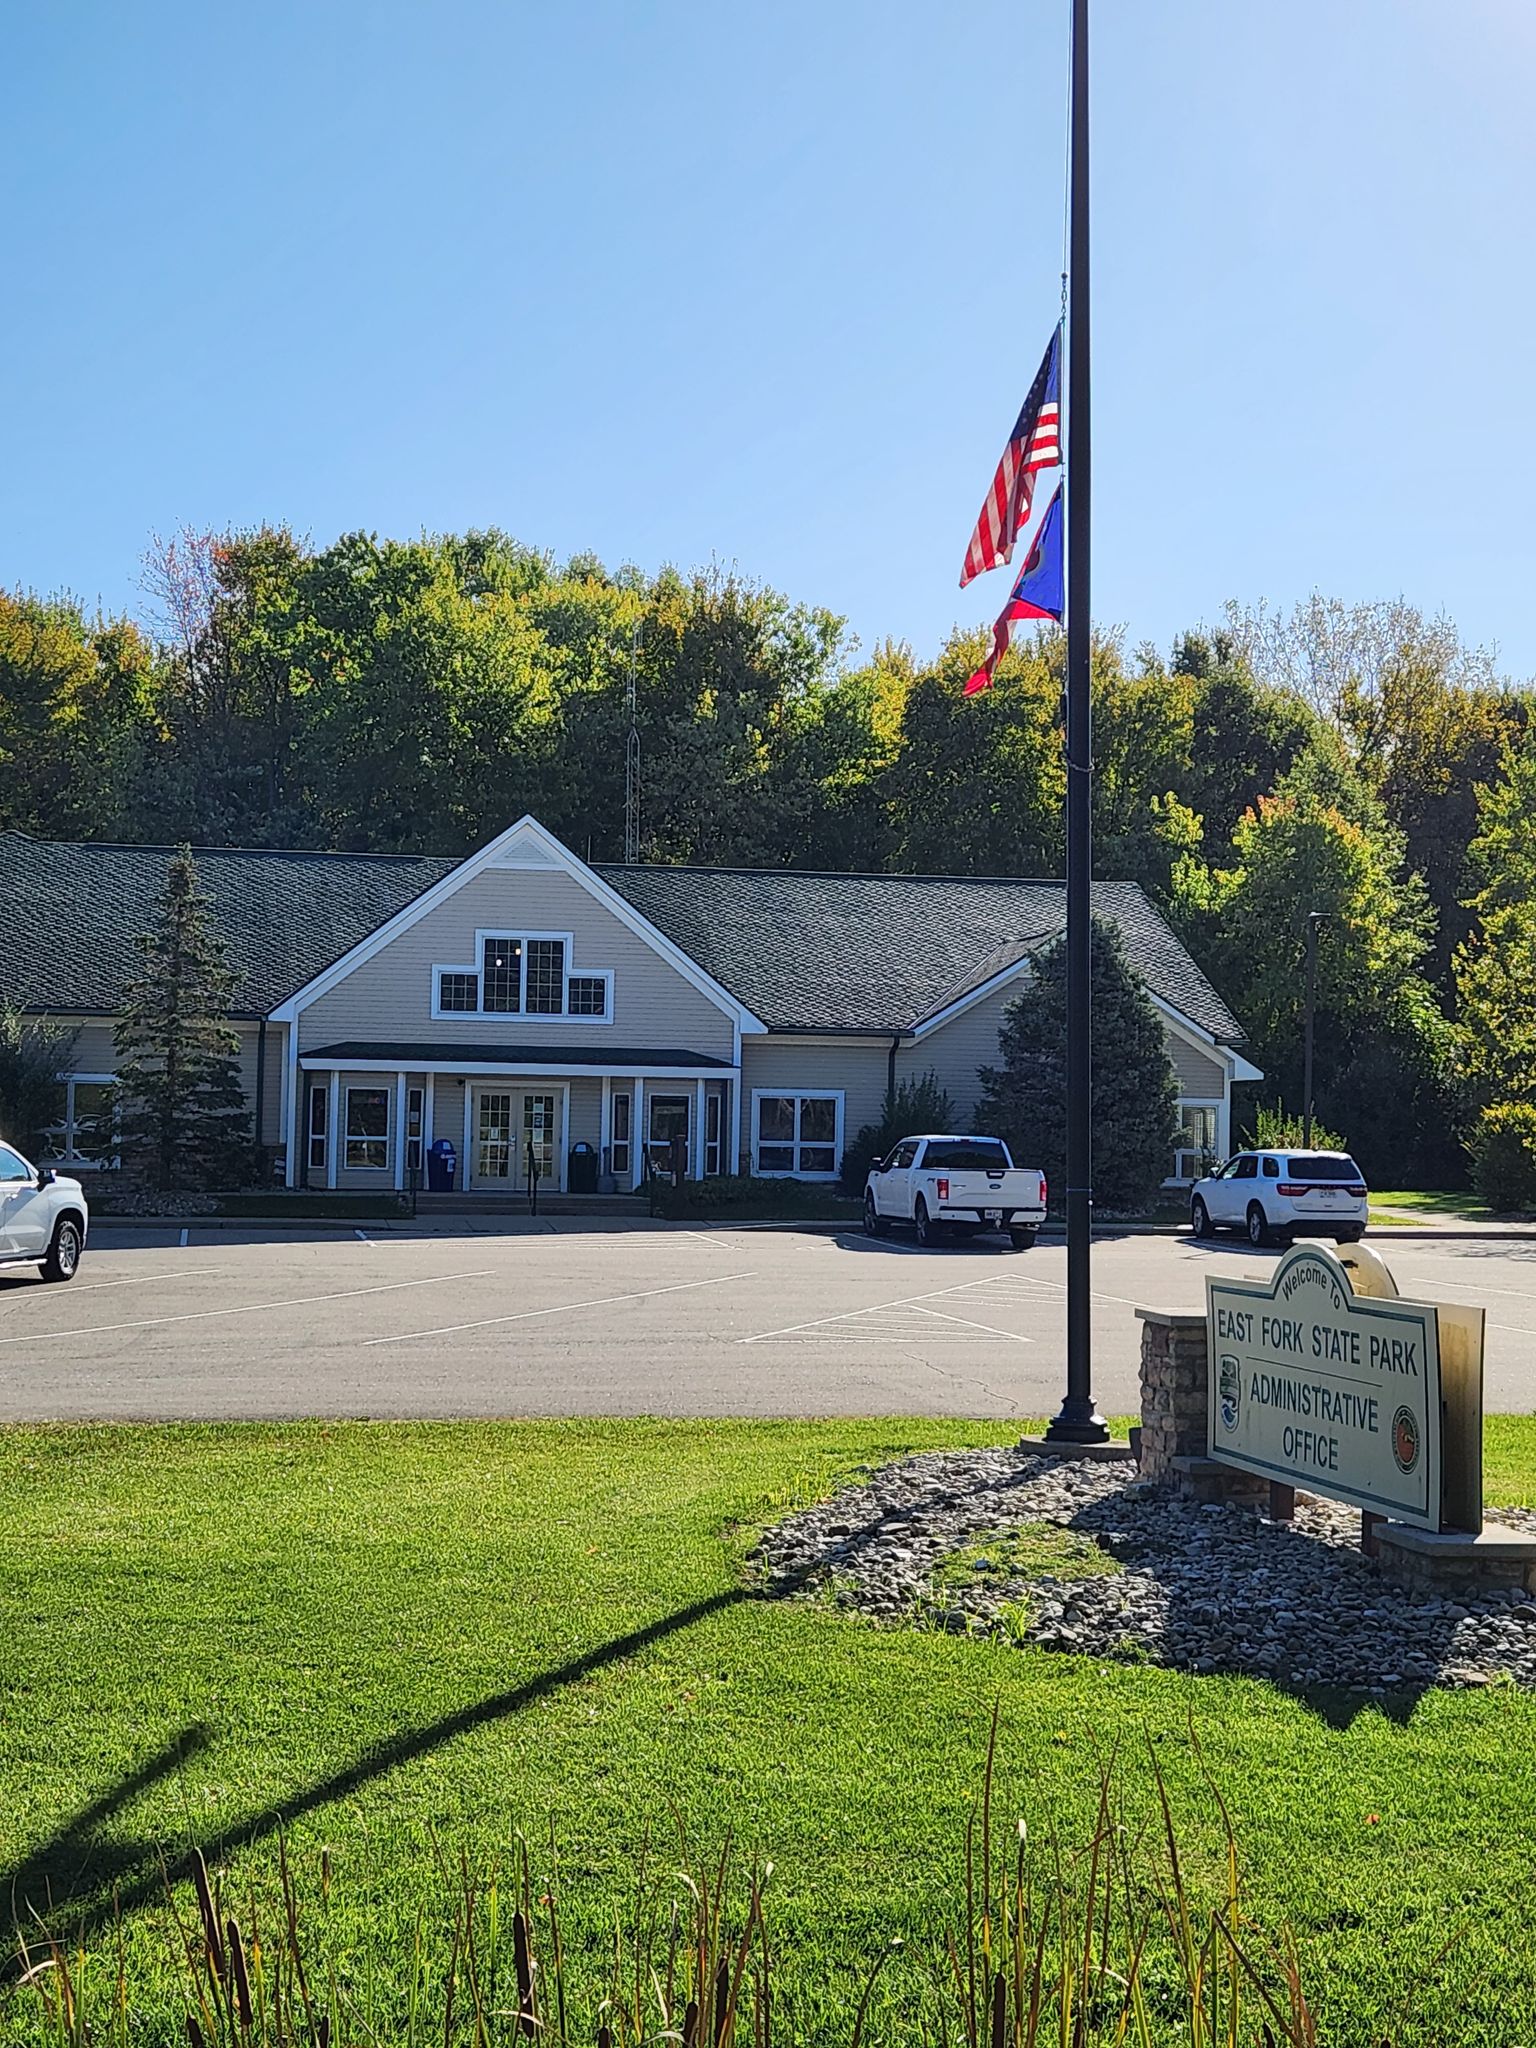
(1431,1202)
(393,1646)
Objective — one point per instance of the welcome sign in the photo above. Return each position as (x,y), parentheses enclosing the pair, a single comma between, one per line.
(1318,1387)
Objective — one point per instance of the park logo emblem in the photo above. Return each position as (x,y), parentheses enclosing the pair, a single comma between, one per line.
(1231,1390)
(1405,1439)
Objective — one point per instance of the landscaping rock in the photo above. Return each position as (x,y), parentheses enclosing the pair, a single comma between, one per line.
(1195,1587)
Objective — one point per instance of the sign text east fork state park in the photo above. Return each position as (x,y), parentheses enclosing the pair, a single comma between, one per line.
(1316,1386)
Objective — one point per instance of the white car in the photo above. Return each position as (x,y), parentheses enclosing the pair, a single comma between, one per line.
(948,1186)
(1280,1195)
(43,1217)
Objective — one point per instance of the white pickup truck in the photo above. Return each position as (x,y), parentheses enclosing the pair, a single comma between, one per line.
(950,1186)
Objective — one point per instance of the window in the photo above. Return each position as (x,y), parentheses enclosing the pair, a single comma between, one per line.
(1328,1166)
(799,1134)
(12,1166)
(523,974)
(712,1106)
(501,981)
(87,1133)
(367,1129)
(1194,1152)
(546,977)
(620,1159)
(1271,1168)
(902,1157)
(457,991)
(319,1121)
(962,1153)
(1247,1168)
(414,1108)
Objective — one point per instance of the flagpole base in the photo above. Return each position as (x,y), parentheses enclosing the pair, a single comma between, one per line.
(1115,1451)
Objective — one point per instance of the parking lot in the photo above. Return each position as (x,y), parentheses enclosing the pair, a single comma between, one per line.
(505,1317)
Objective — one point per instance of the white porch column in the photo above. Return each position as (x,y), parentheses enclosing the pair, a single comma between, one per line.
(428,1110)
(698,1130)
(605,1126)
(469,1125)
(287,1121)
(399,1130)
(735,1122)
(333,1125)
(637,1135)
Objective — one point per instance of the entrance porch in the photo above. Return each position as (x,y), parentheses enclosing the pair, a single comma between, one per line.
(366,1116)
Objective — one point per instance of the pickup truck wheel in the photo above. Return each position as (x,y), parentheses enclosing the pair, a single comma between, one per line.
(927,1230)
(63,1258)
(1021,1239)
(1258,1226)
(1200,1218)
(875,1224)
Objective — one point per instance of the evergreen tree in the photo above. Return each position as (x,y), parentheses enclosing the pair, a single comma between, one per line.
(1135,1097)
(180,1104)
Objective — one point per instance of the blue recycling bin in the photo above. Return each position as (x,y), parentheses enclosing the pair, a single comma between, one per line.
(442,1164)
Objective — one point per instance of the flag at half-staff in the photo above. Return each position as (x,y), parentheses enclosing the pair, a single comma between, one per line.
(1037,593)
(1034,444)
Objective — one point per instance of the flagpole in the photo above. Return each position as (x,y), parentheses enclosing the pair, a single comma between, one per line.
(1078,1420)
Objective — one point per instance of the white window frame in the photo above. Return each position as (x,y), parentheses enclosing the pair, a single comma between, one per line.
(317,1091)
(626,1171)
(59,1139)
(416,1130)
(522,1014)
(797,1095)
(1186,1157)
(347,1162)
(714,1143)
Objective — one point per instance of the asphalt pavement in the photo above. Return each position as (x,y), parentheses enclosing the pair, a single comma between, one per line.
(575,1316)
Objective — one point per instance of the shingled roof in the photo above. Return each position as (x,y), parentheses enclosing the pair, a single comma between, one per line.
(72,914)
(804,952)
(834,952)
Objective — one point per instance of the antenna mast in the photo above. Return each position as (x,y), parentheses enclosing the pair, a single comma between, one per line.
(632,758)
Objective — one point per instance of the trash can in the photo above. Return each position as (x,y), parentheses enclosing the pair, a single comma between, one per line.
(442,1163)
(581,1178)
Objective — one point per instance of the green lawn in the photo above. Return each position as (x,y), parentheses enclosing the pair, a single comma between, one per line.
(1432,1202)
(404,1642)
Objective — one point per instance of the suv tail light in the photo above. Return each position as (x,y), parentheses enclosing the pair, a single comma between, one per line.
(1356,1188)
(1292,1187)
(1044,1191)
(941,1187)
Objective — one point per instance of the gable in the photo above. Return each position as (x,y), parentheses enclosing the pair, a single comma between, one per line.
(387,991)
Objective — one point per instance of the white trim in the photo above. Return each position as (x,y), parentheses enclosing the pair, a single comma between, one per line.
(559,1147)
(637,1135)
(332,1107)
(68,1155)
(428,1116)
(1221,1104)
(469,1134)
(556,1070)
(604,1116)
(698,1129)
(399,1130)
(547,852)
(295,1111)
(799,1094)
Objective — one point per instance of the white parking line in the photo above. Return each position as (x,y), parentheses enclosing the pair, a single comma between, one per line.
(249,1308)
(876,1308)
(965,1322)
(524,1315)
(133,1280)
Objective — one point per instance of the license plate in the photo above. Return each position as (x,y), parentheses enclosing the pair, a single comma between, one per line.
(994,1215)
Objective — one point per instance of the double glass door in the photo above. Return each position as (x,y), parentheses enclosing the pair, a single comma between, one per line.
(510,1126)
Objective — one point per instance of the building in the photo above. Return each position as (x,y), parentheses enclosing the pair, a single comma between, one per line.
(521,999)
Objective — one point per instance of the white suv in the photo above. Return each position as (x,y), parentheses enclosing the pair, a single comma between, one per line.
(43,1217)
(1269,1195)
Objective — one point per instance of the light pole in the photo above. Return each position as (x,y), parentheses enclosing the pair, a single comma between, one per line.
(1314,919)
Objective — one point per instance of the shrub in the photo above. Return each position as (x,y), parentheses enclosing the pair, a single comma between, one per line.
(918,1105)
(1504,1156)
(1276,1130)
(34,1057)
(740,1194)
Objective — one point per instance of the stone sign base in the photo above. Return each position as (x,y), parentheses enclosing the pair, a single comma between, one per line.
(1452,1561)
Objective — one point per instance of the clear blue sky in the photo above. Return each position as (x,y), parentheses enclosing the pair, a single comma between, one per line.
(765,282)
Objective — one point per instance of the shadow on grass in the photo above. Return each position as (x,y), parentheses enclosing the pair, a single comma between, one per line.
(77,1881)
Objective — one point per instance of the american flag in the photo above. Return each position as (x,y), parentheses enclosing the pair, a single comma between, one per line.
(1037,593)
(1034,444)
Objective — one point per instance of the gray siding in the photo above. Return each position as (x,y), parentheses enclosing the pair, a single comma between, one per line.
(1200,1077)
(855,1067)
(390,996)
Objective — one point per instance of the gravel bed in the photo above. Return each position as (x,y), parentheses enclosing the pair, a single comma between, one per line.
(1202,1589)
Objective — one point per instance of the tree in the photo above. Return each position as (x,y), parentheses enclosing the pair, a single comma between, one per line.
(180,1103)
(34,1058)
(1496,964)
(1135,1096)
